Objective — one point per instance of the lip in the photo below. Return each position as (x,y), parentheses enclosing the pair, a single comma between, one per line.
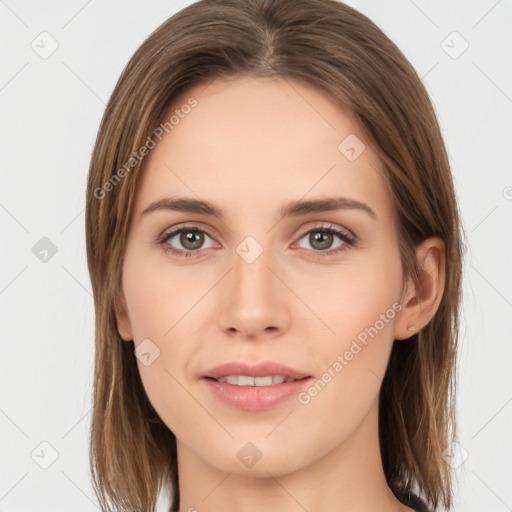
(254,398)
(259,370)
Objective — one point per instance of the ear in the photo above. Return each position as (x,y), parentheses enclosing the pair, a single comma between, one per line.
(420,302)
(123,321)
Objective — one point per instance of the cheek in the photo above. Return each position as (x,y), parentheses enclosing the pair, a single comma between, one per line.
(163,308)
(159,293)
(360,307)
(353,297)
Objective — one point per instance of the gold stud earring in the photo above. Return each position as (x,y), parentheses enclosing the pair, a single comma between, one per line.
(411,328)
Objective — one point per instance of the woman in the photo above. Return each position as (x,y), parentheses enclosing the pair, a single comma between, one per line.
(274,249)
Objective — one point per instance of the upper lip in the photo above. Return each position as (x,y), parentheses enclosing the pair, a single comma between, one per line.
(259,370)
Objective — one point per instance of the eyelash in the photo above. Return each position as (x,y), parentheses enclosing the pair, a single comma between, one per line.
(348,240)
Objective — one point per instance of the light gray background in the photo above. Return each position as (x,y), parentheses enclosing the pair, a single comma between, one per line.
(50,112)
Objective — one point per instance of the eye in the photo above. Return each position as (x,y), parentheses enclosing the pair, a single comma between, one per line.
(322,239)
(190,238)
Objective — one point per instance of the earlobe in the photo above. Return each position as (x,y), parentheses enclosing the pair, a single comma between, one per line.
(422,300)
(123,321)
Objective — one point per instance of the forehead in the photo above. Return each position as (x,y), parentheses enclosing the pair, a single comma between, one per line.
(252,139)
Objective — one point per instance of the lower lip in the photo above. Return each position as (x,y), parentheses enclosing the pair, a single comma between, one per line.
(255,398)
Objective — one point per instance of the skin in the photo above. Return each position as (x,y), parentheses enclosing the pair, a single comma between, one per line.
(251,146)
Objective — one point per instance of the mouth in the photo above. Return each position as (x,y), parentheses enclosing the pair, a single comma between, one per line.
(247,380)
(254,388)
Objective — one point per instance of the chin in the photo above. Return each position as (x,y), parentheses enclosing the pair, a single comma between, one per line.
(259,458)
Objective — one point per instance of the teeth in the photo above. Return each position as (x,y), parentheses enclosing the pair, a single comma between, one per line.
(245,380)
(263,381)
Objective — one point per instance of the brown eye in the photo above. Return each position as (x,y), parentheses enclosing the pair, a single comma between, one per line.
(185,240)
(327,238)
(321,240)
(191,240)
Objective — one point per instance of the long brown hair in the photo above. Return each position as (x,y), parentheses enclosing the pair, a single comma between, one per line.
(333,47)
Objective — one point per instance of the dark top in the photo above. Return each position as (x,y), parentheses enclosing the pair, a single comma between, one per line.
(411,500)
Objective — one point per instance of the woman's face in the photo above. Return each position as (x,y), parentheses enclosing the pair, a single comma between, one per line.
(316,290)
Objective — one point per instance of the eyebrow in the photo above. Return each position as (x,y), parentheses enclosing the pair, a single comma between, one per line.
(293,209)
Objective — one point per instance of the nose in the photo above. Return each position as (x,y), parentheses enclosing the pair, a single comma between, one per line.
(253,299)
